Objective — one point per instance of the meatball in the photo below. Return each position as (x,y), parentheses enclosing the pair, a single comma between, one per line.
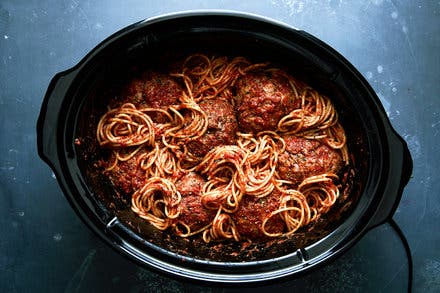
(193,213)
(262,100)
(253,211)
(222,127)
(153,90)
(304,158)
(126,176)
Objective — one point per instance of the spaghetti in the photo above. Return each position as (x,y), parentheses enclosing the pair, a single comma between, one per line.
(232,174)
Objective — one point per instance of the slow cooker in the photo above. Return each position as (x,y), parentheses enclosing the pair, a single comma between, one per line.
(74,97)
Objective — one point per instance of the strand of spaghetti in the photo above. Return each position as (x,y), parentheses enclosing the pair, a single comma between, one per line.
(325,195)
(327,177)
(160,162)
(165,163)
(187,82)
(146,160)
(246,141)
(206,78)
(293,209)
(252,181)
(345,156)
(186,162)
(188,232)
(209,82)
(273,149)
(117,157)
(233,200)
(184,129)
(316,115)
(238,66)
(167,120)
(200,70)
(127,156)
(222,228)
(295,117)
(263,157)
(321,192)
(115,162)
(259,187)
(335,136)
(157,201)
(217,194)
(320,112)
(288,203)
(248,168)
(125,126)
(228,75)
(253,67)
(220,155)
(229,154)
(336,139)
(196,124)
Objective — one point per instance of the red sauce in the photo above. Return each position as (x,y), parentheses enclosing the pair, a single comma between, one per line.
(303,158)
(253,211)
(263,99)
(222,126)
(193,213)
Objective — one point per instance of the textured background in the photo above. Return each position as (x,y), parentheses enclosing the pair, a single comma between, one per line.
(44,247)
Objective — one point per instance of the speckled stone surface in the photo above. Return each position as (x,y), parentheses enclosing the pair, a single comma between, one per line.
(44,246)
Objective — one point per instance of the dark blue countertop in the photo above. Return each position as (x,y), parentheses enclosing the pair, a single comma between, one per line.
(45,247)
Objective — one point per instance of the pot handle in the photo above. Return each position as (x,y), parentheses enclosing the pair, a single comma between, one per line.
(400,172)
(51,109)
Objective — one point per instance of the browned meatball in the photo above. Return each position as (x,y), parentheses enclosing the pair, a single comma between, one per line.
(253,211)
(304,158)
(127,177)
(193,213)
(222,127)
(153,89)
(263,99)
